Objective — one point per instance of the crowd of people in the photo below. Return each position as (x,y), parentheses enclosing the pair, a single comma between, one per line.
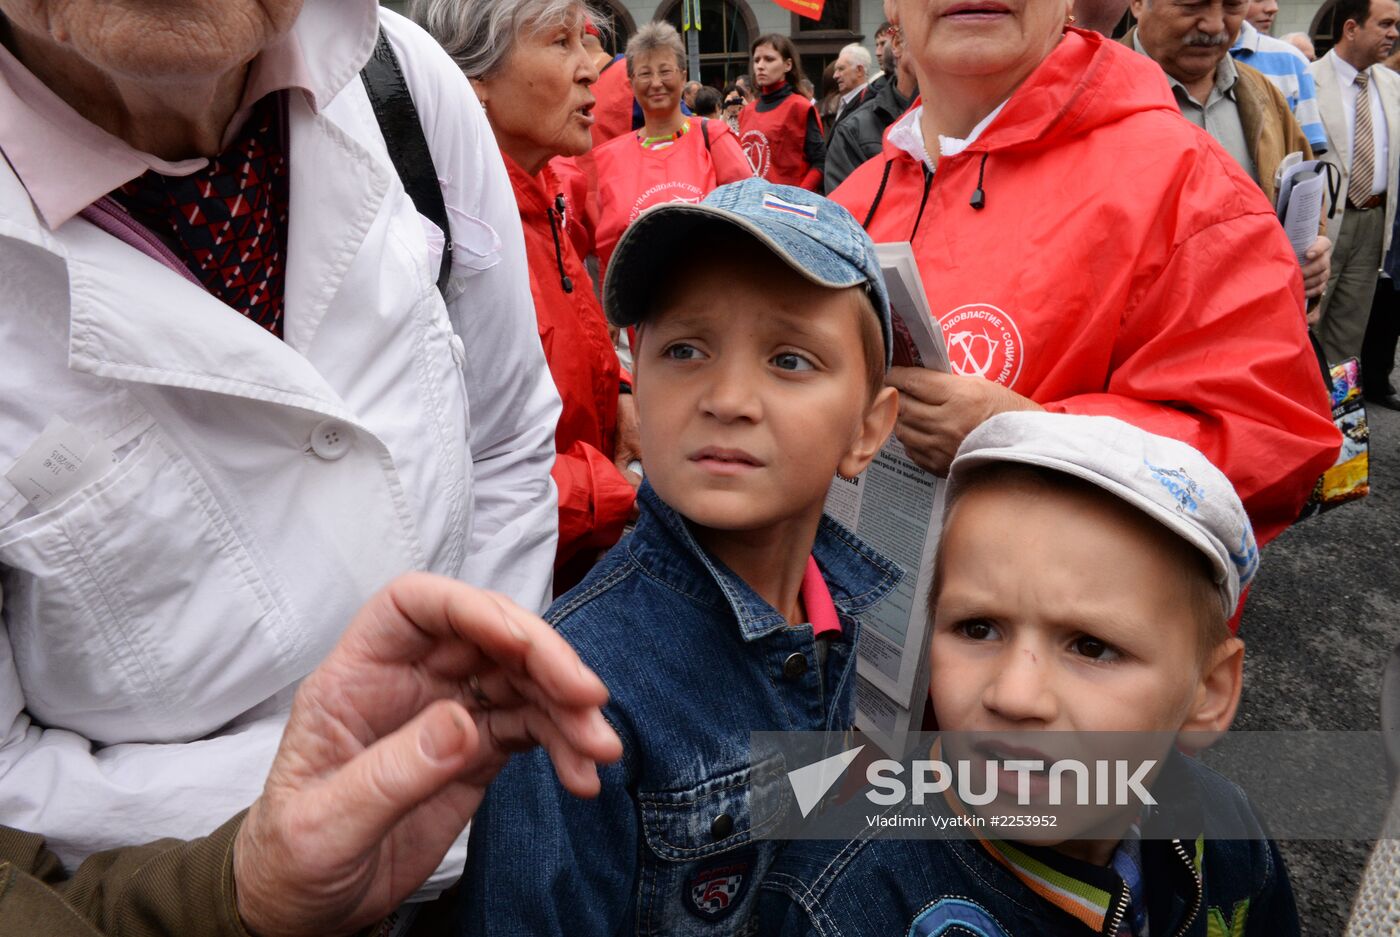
(430,566)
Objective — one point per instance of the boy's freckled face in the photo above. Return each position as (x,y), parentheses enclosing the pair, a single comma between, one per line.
(751,393)
(1061,610)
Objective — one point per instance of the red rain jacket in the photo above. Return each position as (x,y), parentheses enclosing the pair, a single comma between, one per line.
(1121,264)
(595,500)
(632,178)
(612,115)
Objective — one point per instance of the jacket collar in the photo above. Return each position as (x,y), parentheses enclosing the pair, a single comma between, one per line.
(889,100)
(664,546)
(533,194)
(1248,38)
(1086,82)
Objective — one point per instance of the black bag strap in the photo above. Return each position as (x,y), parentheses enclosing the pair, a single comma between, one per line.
(408,148)
(705,132)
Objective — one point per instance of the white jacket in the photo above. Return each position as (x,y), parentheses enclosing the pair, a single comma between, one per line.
(156,622)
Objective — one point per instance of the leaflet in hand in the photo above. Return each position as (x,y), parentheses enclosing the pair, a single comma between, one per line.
(1301,185)
(897,508)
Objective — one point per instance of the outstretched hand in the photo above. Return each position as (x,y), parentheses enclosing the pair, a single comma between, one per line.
(391,744)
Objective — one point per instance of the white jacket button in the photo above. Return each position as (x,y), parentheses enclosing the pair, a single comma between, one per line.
(331,439)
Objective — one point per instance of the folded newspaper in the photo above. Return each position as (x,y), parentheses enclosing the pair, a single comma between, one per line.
(1300,185)
(896,507)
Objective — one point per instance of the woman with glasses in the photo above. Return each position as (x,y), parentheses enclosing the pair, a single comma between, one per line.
(673,157)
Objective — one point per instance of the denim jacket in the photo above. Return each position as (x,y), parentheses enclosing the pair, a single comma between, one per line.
(695,661)
(928,888)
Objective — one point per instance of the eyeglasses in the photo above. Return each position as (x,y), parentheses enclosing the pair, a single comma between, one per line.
(665,73)
(734,102)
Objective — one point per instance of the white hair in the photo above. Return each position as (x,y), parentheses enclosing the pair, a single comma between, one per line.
(479,34)
(858,55)
(655,37)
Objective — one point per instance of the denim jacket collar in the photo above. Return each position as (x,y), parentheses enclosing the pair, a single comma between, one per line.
(666,549)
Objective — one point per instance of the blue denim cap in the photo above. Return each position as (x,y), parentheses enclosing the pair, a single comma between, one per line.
(811,234)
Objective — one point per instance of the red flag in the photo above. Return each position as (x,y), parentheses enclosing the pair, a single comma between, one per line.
(812,9)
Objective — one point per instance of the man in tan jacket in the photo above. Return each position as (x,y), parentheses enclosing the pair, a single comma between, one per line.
(1231,101)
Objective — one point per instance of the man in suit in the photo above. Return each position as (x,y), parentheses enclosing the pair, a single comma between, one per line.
(1360,104)
(852,80)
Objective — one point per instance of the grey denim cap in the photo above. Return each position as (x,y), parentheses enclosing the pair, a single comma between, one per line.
(1166,479)
(811,234)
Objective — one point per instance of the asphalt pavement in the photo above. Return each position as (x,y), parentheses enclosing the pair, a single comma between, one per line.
(1321,621)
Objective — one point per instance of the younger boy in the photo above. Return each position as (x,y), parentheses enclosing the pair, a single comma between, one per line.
(732,607)
(1083,584)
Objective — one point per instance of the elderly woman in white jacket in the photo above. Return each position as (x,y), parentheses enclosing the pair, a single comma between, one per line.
(233,403)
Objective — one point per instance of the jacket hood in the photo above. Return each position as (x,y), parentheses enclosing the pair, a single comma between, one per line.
(1087,82)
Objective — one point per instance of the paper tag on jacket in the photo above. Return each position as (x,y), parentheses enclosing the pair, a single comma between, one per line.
(63,460)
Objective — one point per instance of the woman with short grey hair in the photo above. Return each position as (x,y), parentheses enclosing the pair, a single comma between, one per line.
(529,66)
(673,157)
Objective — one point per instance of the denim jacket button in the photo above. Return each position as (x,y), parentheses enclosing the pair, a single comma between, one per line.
(795,666)
(722,826)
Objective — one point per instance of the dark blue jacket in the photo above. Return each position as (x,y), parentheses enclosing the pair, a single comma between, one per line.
(927,888)
(695,661)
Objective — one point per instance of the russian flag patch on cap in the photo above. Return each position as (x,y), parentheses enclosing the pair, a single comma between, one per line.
(774,203)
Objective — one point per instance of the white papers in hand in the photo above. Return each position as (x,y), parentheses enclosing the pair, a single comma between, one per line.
(897,507)
(1304,212)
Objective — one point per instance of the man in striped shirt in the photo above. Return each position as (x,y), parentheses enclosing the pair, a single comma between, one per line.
(1286,67)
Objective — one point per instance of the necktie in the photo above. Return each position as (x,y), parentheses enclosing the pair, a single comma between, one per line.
(1363,157)
(228,221)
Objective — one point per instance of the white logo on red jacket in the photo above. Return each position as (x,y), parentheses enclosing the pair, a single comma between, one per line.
(666,192)
(759,152)
(983,341)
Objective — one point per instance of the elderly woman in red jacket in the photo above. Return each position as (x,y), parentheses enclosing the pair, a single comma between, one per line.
(528,63)
(1087,251)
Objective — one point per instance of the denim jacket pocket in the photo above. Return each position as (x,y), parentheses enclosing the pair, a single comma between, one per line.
(704,858)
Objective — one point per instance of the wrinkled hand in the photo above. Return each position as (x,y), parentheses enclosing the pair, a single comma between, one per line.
(391,743)
(937,411)
(629,438)
(1317,267)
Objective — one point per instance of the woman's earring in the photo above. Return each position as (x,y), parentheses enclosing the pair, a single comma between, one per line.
(1069,20)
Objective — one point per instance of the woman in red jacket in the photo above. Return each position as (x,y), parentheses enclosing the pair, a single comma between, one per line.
(531,71)
(1087,251)
(781,132)
(673,157)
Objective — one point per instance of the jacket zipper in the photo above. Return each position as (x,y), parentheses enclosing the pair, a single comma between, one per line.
(928,184)
(1125,898)
(558,206)
(1195,877)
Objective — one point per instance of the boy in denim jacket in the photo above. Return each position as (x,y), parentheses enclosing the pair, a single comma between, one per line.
(1083,584)
(734,605)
